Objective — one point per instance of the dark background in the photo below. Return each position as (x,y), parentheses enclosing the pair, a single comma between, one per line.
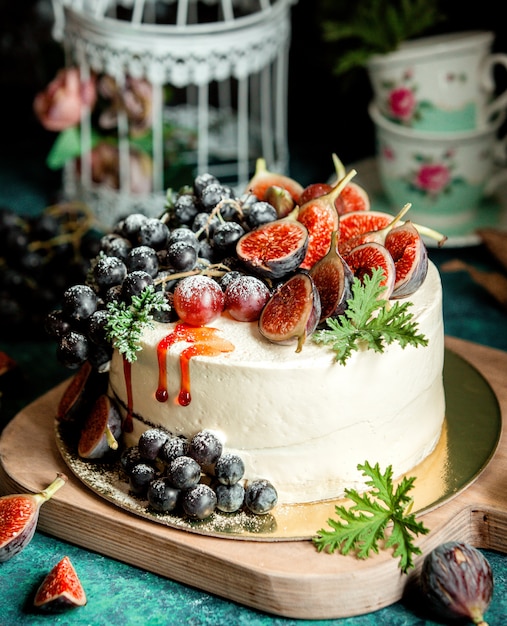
(327,113)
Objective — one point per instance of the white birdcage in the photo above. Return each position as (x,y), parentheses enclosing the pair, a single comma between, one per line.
(218,74)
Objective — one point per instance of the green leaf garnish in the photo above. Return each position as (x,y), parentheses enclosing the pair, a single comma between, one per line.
(126,323)
(364,524)
(370,321)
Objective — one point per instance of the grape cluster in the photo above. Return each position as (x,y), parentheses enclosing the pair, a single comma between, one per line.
(187,254)
(193,477)
(40,256)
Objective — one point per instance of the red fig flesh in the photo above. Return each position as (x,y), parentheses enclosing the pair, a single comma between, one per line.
(353,197)
(61,589)
(410,256)
(362,259)
(333,279)
(101,430)
(360,222)
(292,312)
(321,219)
(274,249)
(263,179)
(376,234)
(19,514)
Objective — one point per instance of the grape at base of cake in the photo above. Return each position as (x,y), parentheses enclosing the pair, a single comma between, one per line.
(300,420)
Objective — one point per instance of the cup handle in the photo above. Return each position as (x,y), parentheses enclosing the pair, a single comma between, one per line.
(488,83)
(499,177)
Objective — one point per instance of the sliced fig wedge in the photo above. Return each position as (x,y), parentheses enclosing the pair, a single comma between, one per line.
(263,179)
(321,219)
(333,279)
(275,249)
(363,258)
(410,256)
(359,222)
(101,431)
(292,313)
(61,589)
(80,394)
(354,197)
(19,514)
(376,234)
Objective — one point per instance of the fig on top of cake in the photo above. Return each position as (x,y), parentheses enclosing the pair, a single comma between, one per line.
(279,254)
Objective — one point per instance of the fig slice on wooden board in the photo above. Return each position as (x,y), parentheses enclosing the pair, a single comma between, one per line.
(333,279)
(275,249)
(263,179)
(410,256)
(363,258)
(292,312)
(321,219)
(61,589)
(19,514)
(101,430)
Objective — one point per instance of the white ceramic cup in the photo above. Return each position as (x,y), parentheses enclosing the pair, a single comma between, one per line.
(444,176)
(442,83)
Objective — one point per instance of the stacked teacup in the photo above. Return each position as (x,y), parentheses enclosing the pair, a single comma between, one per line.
(437,123)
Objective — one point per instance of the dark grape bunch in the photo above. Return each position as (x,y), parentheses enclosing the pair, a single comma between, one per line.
(188,255)
(40,257)
(192,477)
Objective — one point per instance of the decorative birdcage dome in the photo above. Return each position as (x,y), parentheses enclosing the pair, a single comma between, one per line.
(215,79)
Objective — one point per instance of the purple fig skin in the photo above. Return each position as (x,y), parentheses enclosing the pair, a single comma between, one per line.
(457,581)
(292,312)
(333,280)
(410,256)
(275,249)
(19,514)
(101,432)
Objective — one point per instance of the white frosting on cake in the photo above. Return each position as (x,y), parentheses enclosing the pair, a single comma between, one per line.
(301,420)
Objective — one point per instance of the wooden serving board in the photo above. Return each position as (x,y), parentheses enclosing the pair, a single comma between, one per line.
(287,578)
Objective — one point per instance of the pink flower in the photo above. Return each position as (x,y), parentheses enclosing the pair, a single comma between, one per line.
(135,99)
(432,178)
(61,104)
(402,103)
(105,165)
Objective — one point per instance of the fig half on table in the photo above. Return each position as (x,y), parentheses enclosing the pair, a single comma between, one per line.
(19,514)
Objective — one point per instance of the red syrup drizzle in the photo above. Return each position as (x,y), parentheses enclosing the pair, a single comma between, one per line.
(128,424)
(205,342)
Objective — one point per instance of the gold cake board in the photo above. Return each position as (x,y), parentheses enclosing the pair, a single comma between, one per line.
(287,578)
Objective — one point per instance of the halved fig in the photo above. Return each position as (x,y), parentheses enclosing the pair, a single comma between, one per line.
(321,219)
(61,589)
(80,394)
(263,179)
(275,249)
(359,222)
(363,258)
(19,514)
(410,256)
(101,431)
(333,279)
(292,312)
(354,197)
(376,234)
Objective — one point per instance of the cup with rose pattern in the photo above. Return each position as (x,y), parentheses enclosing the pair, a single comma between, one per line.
(442,83)
(445,176)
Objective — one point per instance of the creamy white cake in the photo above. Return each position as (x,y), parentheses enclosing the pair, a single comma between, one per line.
(301,420)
